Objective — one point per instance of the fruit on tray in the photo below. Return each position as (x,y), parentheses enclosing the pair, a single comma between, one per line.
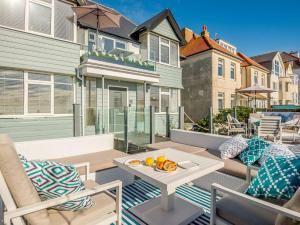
(135,162)
(160,159)
(167,165)
(149,161)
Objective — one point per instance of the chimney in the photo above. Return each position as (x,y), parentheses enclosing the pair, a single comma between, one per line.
(295,53)
(188,34)
(204,32)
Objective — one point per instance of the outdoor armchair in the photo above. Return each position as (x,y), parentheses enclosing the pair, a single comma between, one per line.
(270,127)
(239,208)
(235,127)
(23,205)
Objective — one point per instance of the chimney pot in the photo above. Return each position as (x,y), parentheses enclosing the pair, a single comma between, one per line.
(204,32)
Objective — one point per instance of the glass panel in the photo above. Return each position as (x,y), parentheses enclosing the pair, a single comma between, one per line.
(174,54)
(154,48)
(11,92)
(63,21)
(39,77)
(154,97)
(164,89)
(164,57)
(47,1)
(108,44)
(120,45)
(63,95)
(164,102)
(174,100)
(39,98)
(232,71)
(164,41)
(39,18)
(220,67)
(12,13)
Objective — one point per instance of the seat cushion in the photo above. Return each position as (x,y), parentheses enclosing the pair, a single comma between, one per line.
(98,161)
(104,204)
(233,167)
(177,146)
(241,212)
(293,204)
(19,184)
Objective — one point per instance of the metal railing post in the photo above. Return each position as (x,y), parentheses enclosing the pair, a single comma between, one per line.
(126,128)
(76,120)
(152,124)
(181,117)
(210,120)
(167,122)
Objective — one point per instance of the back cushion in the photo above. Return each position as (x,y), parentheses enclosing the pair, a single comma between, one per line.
(293,204)
(18,183)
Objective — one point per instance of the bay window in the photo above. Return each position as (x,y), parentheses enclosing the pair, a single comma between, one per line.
(162,50)
(53,18)
(25,93)
(163,97)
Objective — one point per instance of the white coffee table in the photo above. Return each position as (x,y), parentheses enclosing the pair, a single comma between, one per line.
(169,209)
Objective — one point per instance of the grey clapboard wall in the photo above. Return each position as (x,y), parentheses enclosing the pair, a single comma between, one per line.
(165,29)
(37,128)
(27,51)
(170,76)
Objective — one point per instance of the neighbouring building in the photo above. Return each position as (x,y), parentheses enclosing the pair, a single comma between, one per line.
(120,72)
(211,74)
(252,74)
(292,61)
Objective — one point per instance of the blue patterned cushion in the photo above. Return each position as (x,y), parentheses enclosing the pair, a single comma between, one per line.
(53,180)
(276,150)
(278,177)
(255,149)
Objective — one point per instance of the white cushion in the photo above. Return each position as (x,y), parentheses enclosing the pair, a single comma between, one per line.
(276,150)
(233,147)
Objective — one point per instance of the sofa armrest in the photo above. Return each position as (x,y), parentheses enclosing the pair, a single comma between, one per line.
(86,165)
(248,173)
(258,202)
(9,215)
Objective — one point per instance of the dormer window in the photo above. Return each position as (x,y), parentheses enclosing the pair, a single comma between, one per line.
(277,68)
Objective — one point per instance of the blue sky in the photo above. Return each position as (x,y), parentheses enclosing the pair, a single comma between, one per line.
(254,26)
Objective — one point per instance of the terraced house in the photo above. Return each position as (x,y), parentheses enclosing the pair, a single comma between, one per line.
(49,61)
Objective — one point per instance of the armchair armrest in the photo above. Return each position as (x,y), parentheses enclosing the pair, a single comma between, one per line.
(87,168)
(8,216)
(258,202)
(248,173)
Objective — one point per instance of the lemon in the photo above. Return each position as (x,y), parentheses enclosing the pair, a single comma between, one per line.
(149,161)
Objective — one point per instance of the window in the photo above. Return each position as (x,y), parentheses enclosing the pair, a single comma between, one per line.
(154,97)
(12,13)
(164,51)
(64,21)
(232,71)
(11,92)
(277,68)
(232,100)
(120,45)
(63,94)
(108,44)
(174,54)
(286,86)
(274,86)
(221,100)
(262,80)
(154,48)
(255,77)
(220,68)
(40,17)
(165,98)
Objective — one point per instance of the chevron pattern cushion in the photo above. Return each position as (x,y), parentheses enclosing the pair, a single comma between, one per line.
(278,177)
(276,150)
(256,148)
(233,147)
(53,180)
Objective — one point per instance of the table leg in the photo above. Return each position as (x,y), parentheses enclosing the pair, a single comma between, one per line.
(167,200)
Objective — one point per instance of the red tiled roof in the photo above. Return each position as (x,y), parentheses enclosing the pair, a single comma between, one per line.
(250,62)
(201,44)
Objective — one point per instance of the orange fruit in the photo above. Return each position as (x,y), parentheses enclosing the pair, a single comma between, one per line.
(160,159)
(149,161)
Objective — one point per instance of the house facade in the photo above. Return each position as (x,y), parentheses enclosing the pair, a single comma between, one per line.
(49,64)
(252,74)
(211,74)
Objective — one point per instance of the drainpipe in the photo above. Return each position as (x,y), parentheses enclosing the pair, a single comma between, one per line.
(81,78)
(103,128)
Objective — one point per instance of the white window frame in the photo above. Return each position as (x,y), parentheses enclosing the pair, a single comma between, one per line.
(160,92)
(222,98)
(51,35)
(25,96)
(223,68)
(233,65)
(159,49)
(255,74)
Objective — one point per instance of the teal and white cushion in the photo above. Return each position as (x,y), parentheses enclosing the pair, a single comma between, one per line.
(256,148)
(276,150)
(233,147)
(53,180)
(278,177)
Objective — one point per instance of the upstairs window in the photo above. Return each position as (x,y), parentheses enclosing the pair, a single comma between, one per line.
(108,44)
(263,80)
(40,16)
(64,20)
(120,45)
(12,13)
(232,71)
(277,68)
(221,68)
(255,78)
(154,48)
(174,53)
(164,51)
